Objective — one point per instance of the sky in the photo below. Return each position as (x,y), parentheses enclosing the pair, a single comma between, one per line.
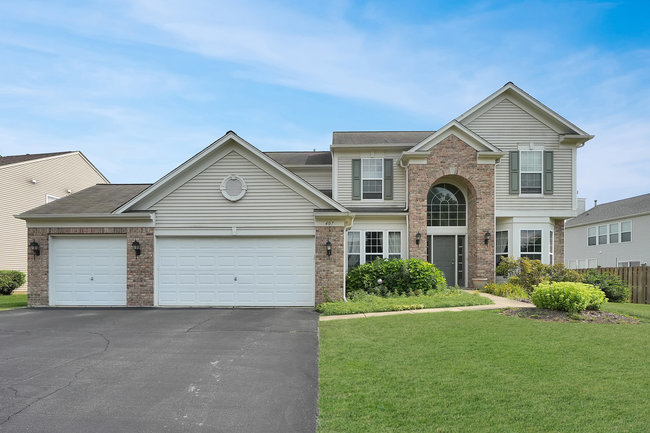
(140,86)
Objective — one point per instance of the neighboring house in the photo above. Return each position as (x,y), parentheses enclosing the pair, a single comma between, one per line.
(28,181)
(234,226)
(610,235)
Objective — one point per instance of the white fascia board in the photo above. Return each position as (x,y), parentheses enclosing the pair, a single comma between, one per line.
(87,216)
(239,232)
(511,88)
(461,131)
(488,157)
(169,180)
(577,140)
(371,146)
(551,213)
(99,220)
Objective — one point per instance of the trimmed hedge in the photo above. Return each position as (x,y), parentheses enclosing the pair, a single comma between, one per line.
(10,281)
(568,296)
(615,289)
(395,277)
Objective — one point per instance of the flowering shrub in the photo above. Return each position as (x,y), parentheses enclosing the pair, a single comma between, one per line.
(383,277)
(568,296)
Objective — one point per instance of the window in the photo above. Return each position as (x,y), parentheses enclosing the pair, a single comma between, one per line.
(372,244)
(394,245)
(372,178)
(602,235)
(551,243)
(501,245)
(613,233)
(626,231)
(591,236)
(531,169)
(531,244)
(446,206)
(354,249)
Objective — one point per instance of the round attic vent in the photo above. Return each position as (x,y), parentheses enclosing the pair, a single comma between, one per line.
(233,187)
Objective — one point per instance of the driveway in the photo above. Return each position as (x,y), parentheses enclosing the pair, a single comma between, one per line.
(158,370)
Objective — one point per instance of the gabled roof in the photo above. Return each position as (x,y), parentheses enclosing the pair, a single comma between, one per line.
(639,205)
(462,132)
(97,199)
(570,132)
(15,159)
(172,179)
(302,158)
(378,138)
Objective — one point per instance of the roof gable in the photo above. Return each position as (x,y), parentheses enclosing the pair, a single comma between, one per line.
(633,206)
(214,152)
(459,130)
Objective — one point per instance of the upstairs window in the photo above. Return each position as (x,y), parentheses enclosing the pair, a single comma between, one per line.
(626,231)
(609,233)
(372,178)
(531,172)
(591,236)
(531,169)
(446,206)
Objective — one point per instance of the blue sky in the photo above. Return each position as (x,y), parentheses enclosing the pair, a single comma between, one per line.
(140,86)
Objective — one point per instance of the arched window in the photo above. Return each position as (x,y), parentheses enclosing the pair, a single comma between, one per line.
(446,206)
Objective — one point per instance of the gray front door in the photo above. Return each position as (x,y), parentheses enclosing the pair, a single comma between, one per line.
(443,252)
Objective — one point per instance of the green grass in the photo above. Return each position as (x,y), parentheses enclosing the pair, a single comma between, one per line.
(371,303)
(479,371)
(13,301)
(640,311)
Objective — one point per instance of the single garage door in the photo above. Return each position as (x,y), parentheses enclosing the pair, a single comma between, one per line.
(235,271)
(88,270)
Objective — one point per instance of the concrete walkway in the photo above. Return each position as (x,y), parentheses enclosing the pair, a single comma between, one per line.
(499,303)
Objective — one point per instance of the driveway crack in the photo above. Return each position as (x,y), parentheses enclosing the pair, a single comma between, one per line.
(198,325)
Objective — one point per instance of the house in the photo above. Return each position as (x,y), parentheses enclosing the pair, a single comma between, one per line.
(233,226)
(32,180)
(610,235)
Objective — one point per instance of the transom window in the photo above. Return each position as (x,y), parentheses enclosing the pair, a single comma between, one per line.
(446,206)
(365,247)
(610,233)
(531,168)
(531,244)
(372,178)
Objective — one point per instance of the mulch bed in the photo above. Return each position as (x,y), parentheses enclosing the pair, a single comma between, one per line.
(562,316)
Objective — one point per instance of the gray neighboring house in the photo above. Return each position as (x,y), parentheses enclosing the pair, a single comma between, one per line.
(611,234)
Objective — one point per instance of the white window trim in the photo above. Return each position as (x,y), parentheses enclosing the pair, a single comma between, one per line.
(362,245)
(507,253)
(551,248)
(373,178)
(619,225)
(531,148)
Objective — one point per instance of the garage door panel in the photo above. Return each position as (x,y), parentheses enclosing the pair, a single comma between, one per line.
(88,270)
(268,271)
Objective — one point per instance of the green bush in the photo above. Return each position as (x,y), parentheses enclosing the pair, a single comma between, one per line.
(568,296)
(529,273)
(559,272)
(400,277)
(10,281)
(507,290)
(615,289)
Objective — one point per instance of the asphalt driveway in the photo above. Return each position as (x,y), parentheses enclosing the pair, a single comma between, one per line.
(158,370)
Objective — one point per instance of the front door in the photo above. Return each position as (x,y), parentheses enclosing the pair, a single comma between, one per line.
(443,253)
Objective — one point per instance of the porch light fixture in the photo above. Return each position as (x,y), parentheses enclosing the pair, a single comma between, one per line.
(418,236)
(486,237)
(35,248)
(136,247)
(328,247)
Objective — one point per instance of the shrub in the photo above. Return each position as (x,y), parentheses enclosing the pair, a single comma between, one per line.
(615,289)
(401,277)
(567,296)
(507,290)
(10,281)
(559,272)
(529,273)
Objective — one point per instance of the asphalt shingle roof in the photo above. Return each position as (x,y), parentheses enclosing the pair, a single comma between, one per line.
(405,138)
(14,159)
(97,199)
(613,210)
(302,158)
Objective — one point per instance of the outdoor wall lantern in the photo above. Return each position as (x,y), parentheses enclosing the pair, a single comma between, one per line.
(328,247)
(487,237)
(418,236)
(35,248)
(136,247)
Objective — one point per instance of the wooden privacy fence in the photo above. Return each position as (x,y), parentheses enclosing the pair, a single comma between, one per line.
(637,279)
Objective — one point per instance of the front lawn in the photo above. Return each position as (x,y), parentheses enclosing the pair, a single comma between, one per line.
(371,303)
(8,302)
(482,371)
(640,311)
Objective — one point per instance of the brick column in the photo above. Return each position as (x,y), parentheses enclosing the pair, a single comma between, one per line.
(558,241)
(38,269)
(139,269)
(330,270)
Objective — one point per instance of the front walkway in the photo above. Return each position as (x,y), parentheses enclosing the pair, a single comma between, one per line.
(499,303)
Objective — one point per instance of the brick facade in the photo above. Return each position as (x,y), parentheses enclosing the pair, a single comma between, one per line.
(330,270)
(139,270)
(558,242)
(454,161)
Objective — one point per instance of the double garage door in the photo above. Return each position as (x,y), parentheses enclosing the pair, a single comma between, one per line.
(190,271)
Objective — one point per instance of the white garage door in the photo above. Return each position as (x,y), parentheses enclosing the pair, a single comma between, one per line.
(88,271)
(235,271)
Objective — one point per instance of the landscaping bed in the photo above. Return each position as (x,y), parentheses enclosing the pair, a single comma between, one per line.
(563,316)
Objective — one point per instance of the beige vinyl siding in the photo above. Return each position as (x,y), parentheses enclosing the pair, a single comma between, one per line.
(344,178)
(268,203)
(320,177)
(507,126)
(53,176)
